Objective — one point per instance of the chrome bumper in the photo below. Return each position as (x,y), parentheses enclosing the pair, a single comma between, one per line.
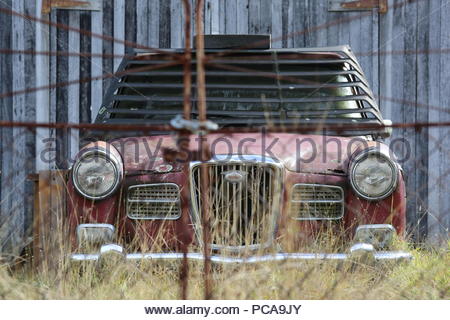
(377,256)
(371,243)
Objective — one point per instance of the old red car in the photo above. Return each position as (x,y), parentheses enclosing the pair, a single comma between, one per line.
(271,193)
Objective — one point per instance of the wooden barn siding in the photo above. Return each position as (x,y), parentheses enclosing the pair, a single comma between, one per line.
(7,135)
(434,89)
(398,78)
(421,25)
(424,78)
(17,144)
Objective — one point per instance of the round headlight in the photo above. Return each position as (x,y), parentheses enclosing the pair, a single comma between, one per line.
(373,175)
(97,174)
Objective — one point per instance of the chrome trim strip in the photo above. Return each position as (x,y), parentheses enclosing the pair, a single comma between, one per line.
(240,158)
(320,201)
(276,202)
(379,256)
(155,217)
(316,201)
(153,201)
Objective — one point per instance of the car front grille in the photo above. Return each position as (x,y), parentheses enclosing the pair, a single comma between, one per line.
(317,202)
(243,213)
(153,201)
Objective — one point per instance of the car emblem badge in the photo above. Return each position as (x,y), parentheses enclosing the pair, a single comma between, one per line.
(234,176)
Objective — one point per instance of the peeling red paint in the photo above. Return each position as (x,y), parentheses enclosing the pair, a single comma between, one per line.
(330,170)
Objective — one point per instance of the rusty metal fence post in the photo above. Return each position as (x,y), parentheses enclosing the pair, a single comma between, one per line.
(187,88)
(204,149)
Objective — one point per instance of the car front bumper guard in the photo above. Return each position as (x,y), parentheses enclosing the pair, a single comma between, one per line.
(370,243)
(357,252)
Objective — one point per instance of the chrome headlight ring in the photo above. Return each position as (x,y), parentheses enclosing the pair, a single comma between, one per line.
(97,168)
(373,175)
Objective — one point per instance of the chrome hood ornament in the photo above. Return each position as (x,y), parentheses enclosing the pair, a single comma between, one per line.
(234,176)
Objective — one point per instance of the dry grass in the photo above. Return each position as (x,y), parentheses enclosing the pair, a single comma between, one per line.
(426,277)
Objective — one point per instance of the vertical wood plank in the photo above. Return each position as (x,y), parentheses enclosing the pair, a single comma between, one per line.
(442,222)
(207,17)
(416,210)
(287,10)
(333,31)
(317,15)
(85,70)
(386,63)
(119,31)
(193,26)
(398,78)
(131,9)
(96,63)
(51,142)
(42,96)
(421,115)
(265,16)
(215,17)
(108,46)
(221,16)
(62,76)
(142,21)
(176,24)
(432,89)
(15,225)
(1,133)
(438,147)
(231,16)
(363,37)
(375,58)
(242,16)
(153,35)
(298,24)
(277,24)
(30,112)
(73,96)
(254,17)
(164,24)
(6,155)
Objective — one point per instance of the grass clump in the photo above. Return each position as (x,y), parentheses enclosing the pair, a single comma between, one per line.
(425,277)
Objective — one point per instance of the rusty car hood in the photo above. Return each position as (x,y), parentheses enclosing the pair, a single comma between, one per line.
(300,153)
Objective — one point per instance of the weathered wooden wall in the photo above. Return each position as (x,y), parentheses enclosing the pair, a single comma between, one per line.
(405,82)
